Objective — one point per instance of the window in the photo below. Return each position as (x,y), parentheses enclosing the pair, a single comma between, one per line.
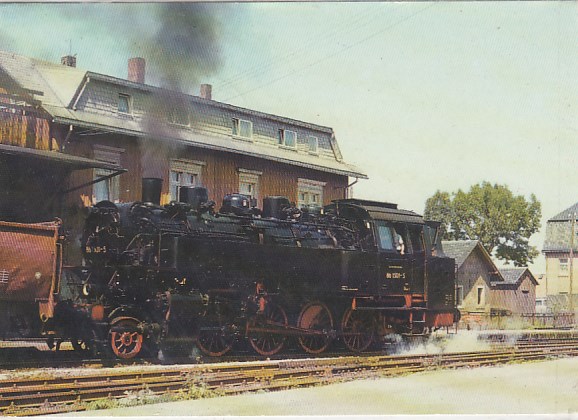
(416,237)
(184,173)
(4,276)
(309,192)
(287,138)
(242,128)
(249,183)
(480,295)
(386,241)
(179,115)
(107,189)
(124,103)
(563,265)
(313,144)
(459,295)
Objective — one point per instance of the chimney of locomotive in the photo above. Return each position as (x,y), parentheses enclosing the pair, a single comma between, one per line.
(68,60)
(136,69)
(151,190)
(206,91)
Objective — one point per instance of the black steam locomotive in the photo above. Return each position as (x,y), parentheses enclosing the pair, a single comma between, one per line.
(184,274)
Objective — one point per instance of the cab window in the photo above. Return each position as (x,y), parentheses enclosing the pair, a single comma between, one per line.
(386,237)
(416,239)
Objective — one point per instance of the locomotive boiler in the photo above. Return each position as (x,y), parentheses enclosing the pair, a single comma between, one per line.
(184,274)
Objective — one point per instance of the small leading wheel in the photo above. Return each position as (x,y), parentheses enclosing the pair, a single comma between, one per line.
(214,340)
(316,317)
(268,343)
(125,339)
(357,330)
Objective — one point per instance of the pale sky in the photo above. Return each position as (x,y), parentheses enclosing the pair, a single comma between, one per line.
(422,96)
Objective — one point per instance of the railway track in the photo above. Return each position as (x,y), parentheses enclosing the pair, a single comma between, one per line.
(51,394)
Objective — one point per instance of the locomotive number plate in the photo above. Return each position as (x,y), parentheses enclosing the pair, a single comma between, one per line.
(95,249)
(394,275)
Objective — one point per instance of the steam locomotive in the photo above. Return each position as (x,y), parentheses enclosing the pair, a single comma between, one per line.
(182,275)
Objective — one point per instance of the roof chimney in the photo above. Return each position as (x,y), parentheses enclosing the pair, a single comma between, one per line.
(68,60)
(206,91)
(136,69)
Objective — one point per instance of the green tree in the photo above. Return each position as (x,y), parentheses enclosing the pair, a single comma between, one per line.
(492,214)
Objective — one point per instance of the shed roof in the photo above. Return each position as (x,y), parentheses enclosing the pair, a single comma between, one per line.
(57,158)
(514,276)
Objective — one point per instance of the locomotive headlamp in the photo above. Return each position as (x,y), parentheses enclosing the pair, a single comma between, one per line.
(86,289)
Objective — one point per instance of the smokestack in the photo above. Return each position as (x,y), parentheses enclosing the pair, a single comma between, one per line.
(206,91)
(68,60)
(136,69)
(151,190)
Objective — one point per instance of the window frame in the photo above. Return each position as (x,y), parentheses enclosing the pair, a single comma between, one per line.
(480,295)
(184,166)
(252,178)
(309,186)
(128,103)
(174,110)
(564,266)
(112,155)
(236,128)
(315,150)
(282,138)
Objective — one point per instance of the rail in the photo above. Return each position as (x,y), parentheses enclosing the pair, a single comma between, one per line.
(47,395)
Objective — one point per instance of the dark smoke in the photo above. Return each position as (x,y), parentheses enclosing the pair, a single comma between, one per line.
(186,47)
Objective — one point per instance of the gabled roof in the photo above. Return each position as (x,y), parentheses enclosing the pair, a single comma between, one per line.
(461,250)
(52,84)
(514,276)
(565,215)
(559,231)
(58,88)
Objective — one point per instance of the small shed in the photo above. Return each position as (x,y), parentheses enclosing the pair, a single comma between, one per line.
(517,292)
(475,272)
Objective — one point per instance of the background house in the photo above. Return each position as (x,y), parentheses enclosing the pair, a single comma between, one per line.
(475,271)
(486,294)
(516,293)
(560,249)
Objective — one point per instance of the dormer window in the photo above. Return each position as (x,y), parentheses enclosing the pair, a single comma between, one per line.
(124,103)
(242,128)
(179,115)
(287,138)
(313,144)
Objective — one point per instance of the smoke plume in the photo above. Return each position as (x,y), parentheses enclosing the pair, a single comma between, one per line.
(186,46)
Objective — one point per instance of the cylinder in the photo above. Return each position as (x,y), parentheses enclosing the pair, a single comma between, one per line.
(151,190)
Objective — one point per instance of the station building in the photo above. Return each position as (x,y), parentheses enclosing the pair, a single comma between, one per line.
(70,138)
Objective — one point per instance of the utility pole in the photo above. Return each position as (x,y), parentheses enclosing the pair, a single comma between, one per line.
(571,305)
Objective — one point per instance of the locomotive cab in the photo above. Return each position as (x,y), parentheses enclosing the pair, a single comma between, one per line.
(405,264)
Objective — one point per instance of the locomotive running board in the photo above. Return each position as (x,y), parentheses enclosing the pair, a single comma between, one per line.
(388,308)
(288,330)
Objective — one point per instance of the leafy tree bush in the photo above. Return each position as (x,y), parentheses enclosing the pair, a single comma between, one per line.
(492,214)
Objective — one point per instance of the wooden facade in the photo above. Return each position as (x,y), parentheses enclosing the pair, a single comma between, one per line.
(516,298)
